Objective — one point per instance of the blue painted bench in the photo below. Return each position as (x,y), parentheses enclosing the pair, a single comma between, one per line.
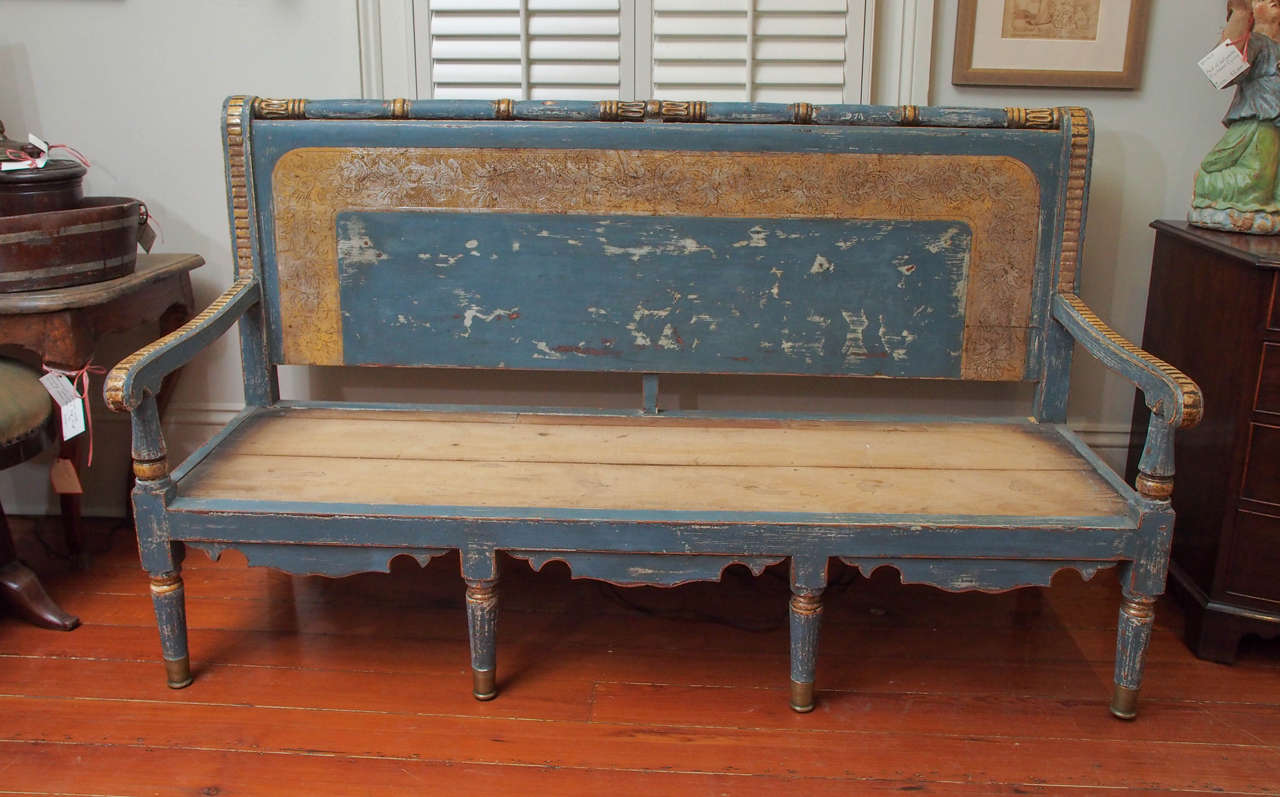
(657,238)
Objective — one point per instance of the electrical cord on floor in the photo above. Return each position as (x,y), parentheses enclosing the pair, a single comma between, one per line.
(37,531)
(615,594)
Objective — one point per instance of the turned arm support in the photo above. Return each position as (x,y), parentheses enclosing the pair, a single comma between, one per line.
(133,384)
(1174,398)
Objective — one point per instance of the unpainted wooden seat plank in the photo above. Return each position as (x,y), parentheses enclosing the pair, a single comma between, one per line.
(642,441)
(880,468)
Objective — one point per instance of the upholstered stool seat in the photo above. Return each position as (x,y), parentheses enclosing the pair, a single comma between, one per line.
(25,408)
(27,427)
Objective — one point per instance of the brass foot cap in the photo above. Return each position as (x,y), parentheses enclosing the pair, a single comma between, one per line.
(1124,703)
(484,684)
(178,672)
(801,697)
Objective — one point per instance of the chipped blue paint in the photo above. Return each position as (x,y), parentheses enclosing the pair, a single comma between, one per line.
(644,293)
(729,533)
(986,575)
(636,569)
(1040,150)
(332,562)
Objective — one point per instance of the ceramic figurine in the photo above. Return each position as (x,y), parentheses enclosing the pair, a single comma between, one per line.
(1237,187)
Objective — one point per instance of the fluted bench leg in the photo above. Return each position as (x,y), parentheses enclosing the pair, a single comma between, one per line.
(1137,616)
(808,579)
(482,618)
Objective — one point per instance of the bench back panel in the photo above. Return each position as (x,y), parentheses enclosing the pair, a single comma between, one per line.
(791,249)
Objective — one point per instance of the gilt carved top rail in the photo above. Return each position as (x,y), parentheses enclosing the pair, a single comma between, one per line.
(661,111)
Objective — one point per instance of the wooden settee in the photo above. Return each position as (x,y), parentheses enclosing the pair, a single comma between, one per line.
(657,238)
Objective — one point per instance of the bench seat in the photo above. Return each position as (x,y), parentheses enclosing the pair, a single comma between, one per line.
(702,468)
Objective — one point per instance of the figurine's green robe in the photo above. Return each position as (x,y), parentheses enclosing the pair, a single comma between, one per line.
(1240,172)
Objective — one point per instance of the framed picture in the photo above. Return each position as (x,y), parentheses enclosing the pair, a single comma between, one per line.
(1058,43)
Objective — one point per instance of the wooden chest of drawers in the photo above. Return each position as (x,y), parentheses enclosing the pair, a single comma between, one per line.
(1214,312)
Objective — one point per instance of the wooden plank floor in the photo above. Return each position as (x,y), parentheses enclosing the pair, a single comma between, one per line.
(360,686)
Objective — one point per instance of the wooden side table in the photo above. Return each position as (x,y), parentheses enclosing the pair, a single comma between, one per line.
(1214,312)
(63,325)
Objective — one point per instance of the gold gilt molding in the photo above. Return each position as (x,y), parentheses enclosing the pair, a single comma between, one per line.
(264,108)
(806,605)
(113,390)
(622,111)
(1034,118)
(237,178)
(1191,397)
(504,109)
(910,114)
(684,111)
(151,470)
(1073,207)
(165,584)
(801,113)
(1156,488)
(399,109)
(1140,608)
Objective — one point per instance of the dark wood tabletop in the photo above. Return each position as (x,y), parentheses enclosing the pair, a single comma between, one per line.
(62,325)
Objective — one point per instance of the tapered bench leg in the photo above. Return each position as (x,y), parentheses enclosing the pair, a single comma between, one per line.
(1137,615)
(171,617)
(482,617)
(806,618)
(808,580)
(161,556)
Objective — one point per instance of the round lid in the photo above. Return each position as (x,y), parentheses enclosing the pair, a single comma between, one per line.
(55,169)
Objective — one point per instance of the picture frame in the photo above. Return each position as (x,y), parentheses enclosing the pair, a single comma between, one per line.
(1051,43)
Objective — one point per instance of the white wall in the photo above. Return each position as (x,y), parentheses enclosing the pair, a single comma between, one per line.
(136,85)
(1148,144)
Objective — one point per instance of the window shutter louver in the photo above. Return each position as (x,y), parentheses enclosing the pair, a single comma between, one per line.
(526,49)
(574,49)
(700,49)
(799,50)
(763,50)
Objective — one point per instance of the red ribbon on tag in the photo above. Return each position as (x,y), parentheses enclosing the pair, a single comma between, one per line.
(18,156)
(1244,51)
(75,153)
(80,383)
(32,162)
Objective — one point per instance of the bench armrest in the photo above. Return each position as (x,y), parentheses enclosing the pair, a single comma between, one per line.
(143,371)
(1173,397)
(1168,393)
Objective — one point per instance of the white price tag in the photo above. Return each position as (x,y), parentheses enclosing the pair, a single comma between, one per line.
(1223,64)
(38,163)
(68,401)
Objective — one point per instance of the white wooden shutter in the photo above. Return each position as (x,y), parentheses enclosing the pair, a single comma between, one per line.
(700,49)
(799,51)
(525,49)
(763,50)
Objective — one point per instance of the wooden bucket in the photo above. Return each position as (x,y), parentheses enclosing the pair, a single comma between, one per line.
(94,242)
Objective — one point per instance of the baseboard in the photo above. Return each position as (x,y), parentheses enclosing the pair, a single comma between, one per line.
(25,489)
(1103,437)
